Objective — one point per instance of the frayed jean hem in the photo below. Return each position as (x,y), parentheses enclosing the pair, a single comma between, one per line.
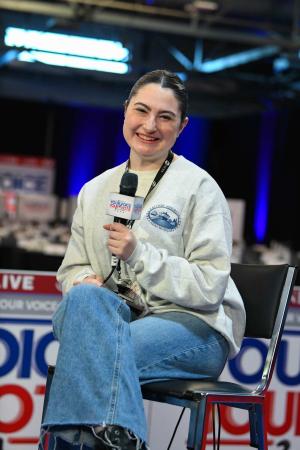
(83,437)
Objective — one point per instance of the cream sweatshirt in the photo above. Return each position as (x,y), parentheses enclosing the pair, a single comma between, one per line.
(184,242)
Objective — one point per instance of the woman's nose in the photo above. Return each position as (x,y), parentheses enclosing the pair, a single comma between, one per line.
(150,123)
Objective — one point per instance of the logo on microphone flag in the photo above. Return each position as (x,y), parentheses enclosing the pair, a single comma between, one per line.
(124,206)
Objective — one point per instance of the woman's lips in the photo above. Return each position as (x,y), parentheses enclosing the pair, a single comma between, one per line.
(146,138)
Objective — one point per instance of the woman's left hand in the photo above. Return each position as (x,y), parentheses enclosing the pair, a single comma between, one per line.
(121,240)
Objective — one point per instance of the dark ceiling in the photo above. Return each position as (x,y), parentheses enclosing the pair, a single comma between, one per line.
(259,40)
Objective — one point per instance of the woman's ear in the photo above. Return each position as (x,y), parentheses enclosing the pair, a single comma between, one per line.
(183,125)
(125,106)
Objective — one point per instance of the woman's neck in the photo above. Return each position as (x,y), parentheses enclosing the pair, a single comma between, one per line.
(143,164)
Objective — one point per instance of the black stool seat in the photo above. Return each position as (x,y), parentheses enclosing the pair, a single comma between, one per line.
(193,388)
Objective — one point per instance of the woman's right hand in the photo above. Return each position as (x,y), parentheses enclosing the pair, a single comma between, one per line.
(91,279)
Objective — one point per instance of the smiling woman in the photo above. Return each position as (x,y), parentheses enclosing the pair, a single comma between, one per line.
(151,126)
(186,315)
(155,115)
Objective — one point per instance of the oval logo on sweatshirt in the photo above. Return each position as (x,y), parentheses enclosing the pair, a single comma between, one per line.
(164,217)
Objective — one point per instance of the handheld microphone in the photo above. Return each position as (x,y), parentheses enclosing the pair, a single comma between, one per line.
(124,206)
(128,186)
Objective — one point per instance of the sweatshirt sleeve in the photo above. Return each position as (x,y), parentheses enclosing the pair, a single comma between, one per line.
(199,279)
(75,265)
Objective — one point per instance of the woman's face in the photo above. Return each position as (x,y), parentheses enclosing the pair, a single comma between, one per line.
(152,122)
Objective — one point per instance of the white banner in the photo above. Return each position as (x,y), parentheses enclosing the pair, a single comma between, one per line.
(26,174)
(27,346)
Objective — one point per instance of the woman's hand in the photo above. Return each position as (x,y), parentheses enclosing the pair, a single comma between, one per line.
(121,241)
(91,279)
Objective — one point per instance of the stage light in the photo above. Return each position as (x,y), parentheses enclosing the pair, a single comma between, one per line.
(281,64)
(67,50)
(73,61)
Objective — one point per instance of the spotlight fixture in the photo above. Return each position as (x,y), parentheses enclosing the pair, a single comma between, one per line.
(68,50)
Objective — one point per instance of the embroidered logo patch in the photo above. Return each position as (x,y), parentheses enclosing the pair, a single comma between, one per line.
(164,217)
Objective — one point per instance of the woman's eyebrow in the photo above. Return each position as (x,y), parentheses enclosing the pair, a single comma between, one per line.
(148,108)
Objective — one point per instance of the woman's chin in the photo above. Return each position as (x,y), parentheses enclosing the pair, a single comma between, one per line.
(147,154)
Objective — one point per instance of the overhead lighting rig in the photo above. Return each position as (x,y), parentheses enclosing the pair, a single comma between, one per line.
(67,50)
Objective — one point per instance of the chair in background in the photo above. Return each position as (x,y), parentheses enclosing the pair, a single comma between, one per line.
(266,291)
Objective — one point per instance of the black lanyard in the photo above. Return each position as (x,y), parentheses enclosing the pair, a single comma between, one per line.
(163,168)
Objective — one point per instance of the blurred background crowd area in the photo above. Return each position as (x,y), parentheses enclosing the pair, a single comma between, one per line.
(35,230)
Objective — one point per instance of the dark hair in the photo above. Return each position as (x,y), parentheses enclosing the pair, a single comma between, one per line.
(165,79)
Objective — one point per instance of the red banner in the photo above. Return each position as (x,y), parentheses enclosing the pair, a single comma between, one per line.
(27,282)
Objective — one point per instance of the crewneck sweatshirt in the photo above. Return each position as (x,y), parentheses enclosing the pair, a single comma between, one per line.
(184,242)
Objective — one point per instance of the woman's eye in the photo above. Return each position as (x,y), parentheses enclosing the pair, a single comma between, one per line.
(165,117)
(142,110)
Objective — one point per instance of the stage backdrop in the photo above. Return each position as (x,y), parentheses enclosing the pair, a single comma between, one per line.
(27,346)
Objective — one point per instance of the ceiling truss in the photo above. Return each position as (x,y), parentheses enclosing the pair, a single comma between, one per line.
(186,39)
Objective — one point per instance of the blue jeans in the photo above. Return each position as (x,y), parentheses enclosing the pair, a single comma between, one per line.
(104,356)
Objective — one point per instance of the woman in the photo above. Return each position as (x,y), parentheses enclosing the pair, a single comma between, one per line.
(175,261)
